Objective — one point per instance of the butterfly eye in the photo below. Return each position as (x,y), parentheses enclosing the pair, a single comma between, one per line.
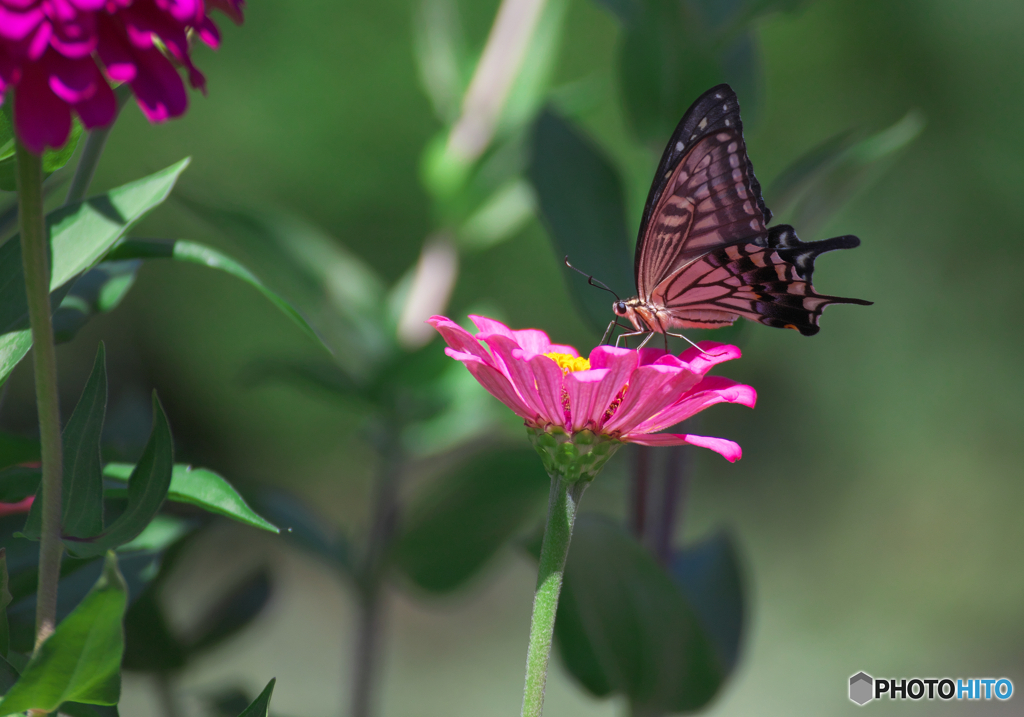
(620,308)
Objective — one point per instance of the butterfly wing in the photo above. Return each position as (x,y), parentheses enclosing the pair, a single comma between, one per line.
(767,279)
(704,194)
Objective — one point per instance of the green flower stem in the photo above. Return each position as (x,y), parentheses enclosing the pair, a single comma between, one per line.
(93,149)
(562,505)
(37,288)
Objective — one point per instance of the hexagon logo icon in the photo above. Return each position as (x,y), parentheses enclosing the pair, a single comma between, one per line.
(861,688)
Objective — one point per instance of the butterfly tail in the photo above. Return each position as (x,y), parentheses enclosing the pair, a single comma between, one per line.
(802,254)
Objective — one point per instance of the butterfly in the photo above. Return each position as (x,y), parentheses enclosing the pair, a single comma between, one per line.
(704,255)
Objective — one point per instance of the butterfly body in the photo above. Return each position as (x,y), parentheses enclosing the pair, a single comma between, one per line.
(704,255)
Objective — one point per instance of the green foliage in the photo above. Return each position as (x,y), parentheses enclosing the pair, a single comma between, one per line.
(53,159)
(147,488)
(624,626)
(83,479)
(97,291)
(5,600)
(260,707)
(466,516)
(581,200)
(17,449)
(197,486)
(80,234)
(81,660)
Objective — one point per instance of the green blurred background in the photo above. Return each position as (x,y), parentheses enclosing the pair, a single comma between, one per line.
(878,502)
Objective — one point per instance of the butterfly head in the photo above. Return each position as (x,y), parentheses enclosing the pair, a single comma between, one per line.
(638,312)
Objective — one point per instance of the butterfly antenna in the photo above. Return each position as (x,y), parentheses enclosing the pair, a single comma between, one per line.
(590,279)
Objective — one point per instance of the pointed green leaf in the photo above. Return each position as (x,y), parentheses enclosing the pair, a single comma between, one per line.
(147,488)
(8,675)
(5,600)
(461,521)
(200,487)
(80,234)
(81,660)
(96,291)
(260,706)
(83,478)
(582,203)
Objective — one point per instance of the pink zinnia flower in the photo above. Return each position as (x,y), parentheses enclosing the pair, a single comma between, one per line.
(615,396)
(52,51)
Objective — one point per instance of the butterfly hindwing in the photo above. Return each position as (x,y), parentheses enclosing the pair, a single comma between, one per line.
(766,280)
(704,195)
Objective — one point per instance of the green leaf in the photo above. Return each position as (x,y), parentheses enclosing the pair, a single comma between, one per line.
(83,479)
(97,291)
(820,182)
(147,488)
(18,483)
(17,449)
(81,660)
(80,234)
(53,159)
(465,517)
(260,707)
(581,201)
(150,646)
(710,577)
(8,675)
(200,487)
(5,600)
(624,626)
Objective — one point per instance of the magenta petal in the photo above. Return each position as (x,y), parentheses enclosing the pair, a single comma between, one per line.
(583,387)
(88,5)
(651,389)
(231,8)
(487,326)
(549,385)
(17,25)
(730,450)
(516,369)
(100,109)
(41,119)
(459,339)
(712,390)
(114,50)
(621,363)
(713,353)
(495,383)
(75,38)
(208,32)
(72,80)
(158,88)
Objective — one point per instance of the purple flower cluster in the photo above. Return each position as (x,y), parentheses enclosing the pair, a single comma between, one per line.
(59,55)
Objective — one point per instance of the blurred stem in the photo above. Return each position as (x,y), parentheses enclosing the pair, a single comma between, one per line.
(372,571)
(675,488)
(93,150)
(37,289)
(168,697)
(639,490)
(562,505)
(492,81)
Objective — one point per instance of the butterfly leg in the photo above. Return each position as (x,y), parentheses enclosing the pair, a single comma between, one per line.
(680,336)
(634,333)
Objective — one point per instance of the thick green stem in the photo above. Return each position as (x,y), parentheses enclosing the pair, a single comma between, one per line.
(562,505)
(37,288)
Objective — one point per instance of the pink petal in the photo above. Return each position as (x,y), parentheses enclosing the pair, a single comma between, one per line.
(549,386)
(651,390)
(730,450)
(648,356)
(41,119)
(88,5)
(460,339)
(711,390)
(40,40)
(208,32)
(583,387)
(621,363)
(713,353)
(515,368)
(22,506)
(76,36)
(490,326)
(158,88)
(495,383)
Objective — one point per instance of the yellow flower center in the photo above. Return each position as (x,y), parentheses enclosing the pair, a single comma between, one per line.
(568,363)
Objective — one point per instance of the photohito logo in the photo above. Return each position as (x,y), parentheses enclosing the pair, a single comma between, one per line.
(864,688)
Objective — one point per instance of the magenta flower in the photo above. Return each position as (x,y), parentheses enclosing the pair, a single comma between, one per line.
(617,395)
(59,55)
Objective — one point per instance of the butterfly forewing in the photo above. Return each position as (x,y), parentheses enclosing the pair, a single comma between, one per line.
(706,204)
